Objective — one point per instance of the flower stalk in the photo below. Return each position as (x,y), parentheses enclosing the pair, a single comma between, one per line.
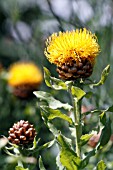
(78,127)
(77,119)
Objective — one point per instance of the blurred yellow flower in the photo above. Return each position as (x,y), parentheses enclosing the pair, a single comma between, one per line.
(24,73)
(71,46)
(24,77)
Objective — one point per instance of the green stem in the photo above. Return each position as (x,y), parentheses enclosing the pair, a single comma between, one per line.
(20,163)
(78,127)
(17,152)
(77,120)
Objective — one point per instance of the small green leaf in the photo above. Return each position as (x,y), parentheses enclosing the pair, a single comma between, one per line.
(101,165)
(103,118)
(92,112)
(52,102)
(59,114)
(105,135)
(48,144)
(85,138)
(41,165)
(47,75)
(77,92)
(20,168)
(53,82)
(52,114)
(85,161)
(104,76)
(68,157)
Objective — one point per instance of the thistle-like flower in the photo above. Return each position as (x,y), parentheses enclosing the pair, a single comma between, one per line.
(22,133)
(24,77)
(73,52)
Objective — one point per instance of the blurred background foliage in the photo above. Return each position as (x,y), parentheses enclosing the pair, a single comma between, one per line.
(24,26)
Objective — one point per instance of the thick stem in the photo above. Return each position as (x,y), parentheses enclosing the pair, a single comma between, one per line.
(77,120)
(78,127)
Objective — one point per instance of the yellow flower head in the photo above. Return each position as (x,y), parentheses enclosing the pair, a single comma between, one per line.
(21,73)
(71,46)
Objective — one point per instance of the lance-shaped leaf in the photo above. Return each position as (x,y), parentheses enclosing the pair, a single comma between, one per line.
(92,112)
(105,135)
(85,138)
(53,82)
(101,165)
(109,109)
(52,102)
(52,114)
(68,157)
(85,161)
(49,124)
(41,165)
(46,145)
(103,78)
(77,92)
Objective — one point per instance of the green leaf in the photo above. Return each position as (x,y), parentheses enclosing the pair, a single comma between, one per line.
(77,92)
(85,161)
(91,112)
(59,114)
(105,135)
(85,138)
(53,129)
(68,157)
(47,75)
(52,114)
(101,165)
(64,141)
(103,118)
(52,102)
(104,76)
(50,125)
(48,144)
(44,146)
(58,163)
(20,168)
(53,82)
(41,165)
(110,109)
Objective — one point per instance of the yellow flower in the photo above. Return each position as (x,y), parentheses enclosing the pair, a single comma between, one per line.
(71,46)
(24,77)
(24,73)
